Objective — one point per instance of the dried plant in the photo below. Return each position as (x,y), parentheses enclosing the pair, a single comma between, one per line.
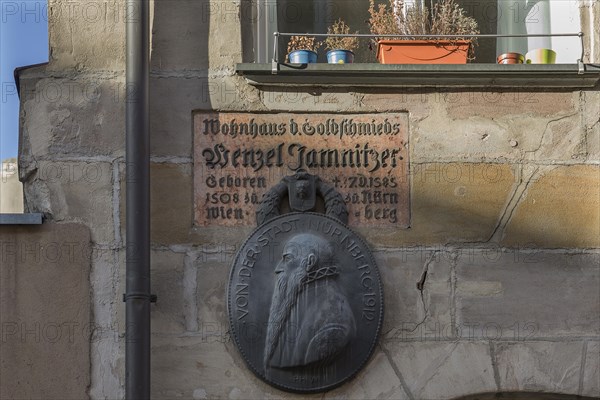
(444,17)
(340,43)
(383,20)
(303,43)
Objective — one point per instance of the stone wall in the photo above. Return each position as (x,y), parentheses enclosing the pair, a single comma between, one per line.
(505,216)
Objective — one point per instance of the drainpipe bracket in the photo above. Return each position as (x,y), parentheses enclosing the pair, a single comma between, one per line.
(153,298)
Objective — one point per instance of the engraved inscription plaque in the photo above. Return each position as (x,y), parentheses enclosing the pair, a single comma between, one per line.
(305,298)
(238,156)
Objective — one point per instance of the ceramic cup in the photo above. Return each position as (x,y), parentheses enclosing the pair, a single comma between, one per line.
(541,56)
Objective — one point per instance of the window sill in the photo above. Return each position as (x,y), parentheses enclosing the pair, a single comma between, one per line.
(430,75)
(21,219)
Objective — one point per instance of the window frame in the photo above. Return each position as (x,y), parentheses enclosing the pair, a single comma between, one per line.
(472,75)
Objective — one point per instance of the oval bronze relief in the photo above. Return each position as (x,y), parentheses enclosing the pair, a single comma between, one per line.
(305,302)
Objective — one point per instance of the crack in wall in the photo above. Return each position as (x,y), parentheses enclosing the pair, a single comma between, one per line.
(495,365)
(525,179)
(582,369)
(421,288)
(453,285)
(433,368)
(545,132)
(397,372)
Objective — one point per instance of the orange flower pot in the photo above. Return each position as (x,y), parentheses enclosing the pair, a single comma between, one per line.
(423,51)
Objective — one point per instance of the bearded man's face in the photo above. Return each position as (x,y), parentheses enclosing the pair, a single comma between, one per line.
(290,259)
(290,271)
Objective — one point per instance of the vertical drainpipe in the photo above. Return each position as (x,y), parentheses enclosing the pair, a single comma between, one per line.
(137,297)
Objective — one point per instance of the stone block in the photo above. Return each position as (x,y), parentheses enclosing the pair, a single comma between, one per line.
(593,143)
(560,209)
(539,366)
(500,104)
(515,294)
(301,99)
(45,311)
(443,370)
(167,281)
(562,139)
(228,91)
(87,34)
(377,380)
(76,191)
(194,367)
(441,137)
(79,116)
(409,313)
(591,372)
(225,35)
(210,295)
(590,103)
(451,203)
(418,105)
(182,45)
(171,202)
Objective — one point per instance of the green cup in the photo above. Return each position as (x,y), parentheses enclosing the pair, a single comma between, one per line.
(541,56)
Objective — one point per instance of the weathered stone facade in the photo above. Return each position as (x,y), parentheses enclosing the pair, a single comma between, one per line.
(505,217)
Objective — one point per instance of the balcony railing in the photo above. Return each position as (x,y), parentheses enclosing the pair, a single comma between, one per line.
(277,35)
(576,75)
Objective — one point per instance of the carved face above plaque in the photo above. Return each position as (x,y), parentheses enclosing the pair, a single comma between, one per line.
(305,301)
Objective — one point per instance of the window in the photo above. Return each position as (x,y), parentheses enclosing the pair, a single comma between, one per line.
(540,17)
(493,16)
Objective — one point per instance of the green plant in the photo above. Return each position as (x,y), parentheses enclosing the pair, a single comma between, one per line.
(303,43)
(443,17)
(340,43)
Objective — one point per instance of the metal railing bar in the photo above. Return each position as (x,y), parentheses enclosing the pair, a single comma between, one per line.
(488,35)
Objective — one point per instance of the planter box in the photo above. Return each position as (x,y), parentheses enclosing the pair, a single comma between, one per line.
(423,51)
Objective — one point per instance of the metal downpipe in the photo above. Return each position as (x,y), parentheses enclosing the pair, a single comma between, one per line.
(138,296)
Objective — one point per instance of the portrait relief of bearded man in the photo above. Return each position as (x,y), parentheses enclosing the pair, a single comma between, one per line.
(310,320)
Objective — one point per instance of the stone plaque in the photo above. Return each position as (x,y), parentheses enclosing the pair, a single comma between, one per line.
(238,156)
(305,299)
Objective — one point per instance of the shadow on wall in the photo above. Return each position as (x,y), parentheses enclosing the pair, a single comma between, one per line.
(179,64)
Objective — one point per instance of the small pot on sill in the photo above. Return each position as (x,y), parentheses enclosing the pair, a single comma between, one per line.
(302,57)
(511,58)
(340,57)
